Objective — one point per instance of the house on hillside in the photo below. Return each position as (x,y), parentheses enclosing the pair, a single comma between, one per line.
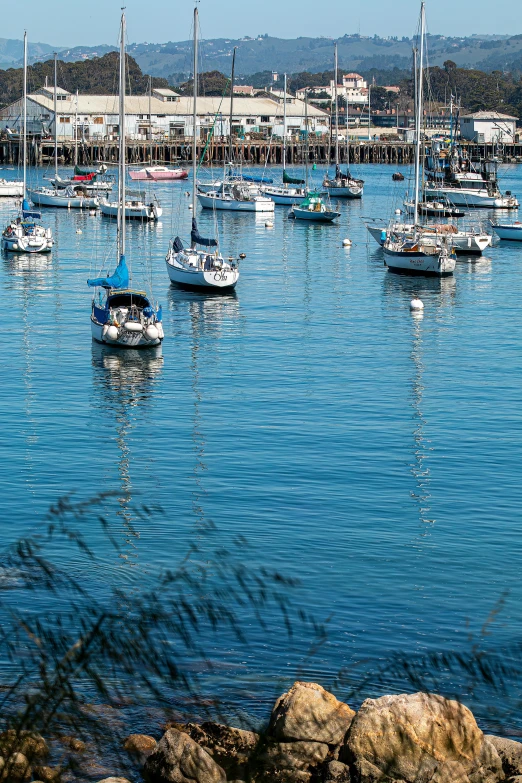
(353,88)
(95,117)
(488,127)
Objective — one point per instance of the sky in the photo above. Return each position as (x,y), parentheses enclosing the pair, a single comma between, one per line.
(96,22)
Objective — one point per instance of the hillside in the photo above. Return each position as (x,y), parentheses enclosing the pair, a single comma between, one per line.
(173,60)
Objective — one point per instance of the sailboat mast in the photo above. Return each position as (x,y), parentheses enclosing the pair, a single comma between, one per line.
(76,132)
(122,139)
(55,117)
(25,113)
(418,117)
(231,105)
(150,119)
(306,139)
(194,114)
(284,124)
(336,68)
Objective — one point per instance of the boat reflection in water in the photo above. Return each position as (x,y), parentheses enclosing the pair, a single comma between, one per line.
(124,382)
(214,320)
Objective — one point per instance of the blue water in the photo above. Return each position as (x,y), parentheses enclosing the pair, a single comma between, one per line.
(371,454)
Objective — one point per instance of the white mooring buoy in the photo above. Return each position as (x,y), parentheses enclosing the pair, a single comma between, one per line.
(398,212)
(79,231)
(416,304)
(92,212)
(347,242)
(190,206)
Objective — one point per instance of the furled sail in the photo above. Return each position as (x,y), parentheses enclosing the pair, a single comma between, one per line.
(197,239)
(119,279)
(288,180)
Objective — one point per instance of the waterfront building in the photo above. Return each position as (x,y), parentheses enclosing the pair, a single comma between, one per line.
(488,127)
(95,117)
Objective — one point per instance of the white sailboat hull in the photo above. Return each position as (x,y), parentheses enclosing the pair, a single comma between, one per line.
(125,339)
(354,191)
(511,232)
(11,188)
(43,199)
(140,212)
(256,204)
(285,196)
(27,244)
(200,278)
(462,197)
(419,263)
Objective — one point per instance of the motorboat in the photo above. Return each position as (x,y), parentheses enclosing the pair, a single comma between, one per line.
(122,316)
(135,208)
(313,208)
(158,174)
(11,188)
(471,241)
(236,197)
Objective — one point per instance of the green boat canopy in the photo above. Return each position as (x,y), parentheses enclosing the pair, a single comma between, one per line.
(288,180)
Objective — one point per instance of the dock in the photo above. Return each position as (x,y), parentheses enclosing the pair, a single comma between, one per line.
(253,153)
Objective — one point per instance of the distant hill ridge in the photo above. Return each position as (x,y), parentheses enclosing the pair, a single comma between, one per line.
(172,60)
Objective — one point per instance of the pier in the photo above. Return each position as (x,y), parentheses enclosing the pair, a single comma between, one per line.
(258,152)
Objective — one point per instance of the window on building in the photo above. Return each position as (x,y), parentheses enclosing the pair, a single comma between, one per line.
(250,121)
(45,116)
(61,97)
(64,120)
(265,119)
(161,116)
(98,120)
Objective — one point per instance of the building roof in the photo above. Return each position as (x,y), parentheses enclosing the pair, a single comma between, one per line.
(352,76)
(139,104)
(488,115)
(165,91)
(50,90)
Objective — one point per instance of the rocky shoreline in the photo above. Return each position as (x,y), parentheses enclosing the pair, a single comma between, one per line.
(312,737)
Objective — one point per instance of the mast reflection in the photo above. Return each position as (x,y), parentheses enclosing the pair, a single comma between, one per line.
(124,383)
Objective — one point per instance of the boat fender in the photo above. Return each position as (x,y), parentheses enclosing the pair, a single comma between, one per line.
(105,330)
(133,326)
(383,235)
(242,255)
(112,332)
(161,333)
(15,246)
(151,332)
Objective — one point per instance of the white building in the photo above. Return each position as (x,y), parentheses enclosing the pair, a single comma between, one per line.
(95,117)
(353,88)
(488,127)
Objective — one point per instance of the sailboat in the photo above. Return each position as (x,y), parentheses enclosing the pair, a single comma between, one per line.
(291,192)
(55,196)
(234,193)
(192,267)
(25,234)
(408,251)
(313,207)
(342,185)
(122,316)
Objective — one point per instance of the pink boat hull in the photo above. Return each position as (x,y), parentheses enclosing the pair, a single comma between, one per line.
(164,175)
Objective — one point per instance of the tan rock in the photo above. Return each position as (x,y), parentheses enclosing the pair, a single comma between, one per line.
(229,747)
(17,768)
(74,744)
(489,765)
(293,755)
(47,774)
(140,746)
(178,759)
(308,712)
(510,753)
(31,744)
(411,736)
(336,772)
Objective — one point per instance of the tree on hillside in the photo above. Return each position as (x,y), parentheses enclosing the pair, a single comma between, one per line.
(91,77)
(209,83)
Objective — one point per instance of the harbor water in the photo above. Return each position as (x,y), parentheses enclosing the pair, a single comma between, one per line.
(371,454)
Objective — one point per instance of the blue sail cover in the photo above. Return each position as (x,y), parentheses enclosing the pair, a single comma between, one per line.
(120,278)
(27,212)
(197,239)
(250,177)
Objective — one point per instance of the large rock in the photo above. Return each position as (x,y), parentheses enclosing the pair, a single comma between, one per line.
(17,768)
(140,746)
(308,712)
(335,772)
(488,765)
(418,738)
(31,744)
(230,748)
(293,755)
(178,759)
(510,753)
